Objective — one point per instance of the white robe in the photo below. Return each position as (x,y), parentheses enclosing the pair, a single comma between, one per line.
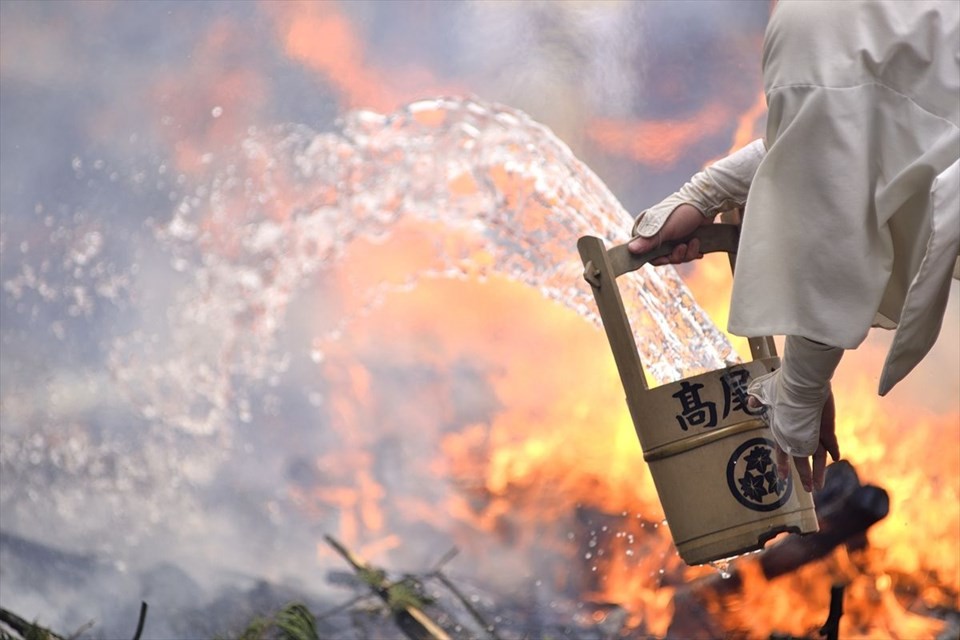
(853,216)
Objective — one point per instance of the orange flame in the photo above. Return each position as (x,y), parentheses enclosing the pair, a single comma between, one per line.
(748,124)
(320,36)
(658,144)
(207,107)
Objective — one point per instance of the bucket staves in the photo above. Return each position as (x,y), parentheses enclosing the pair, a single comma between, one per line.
(711,456)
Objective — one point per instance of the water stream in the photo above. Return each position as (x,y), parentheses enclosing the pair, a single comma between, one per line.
(294,199)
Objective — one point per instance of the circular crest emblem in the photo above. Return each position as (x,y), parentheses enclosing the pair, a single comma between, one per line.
(752,476)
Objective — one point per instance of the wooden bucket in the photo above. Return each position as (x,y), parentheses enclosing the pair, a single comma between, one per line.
(712,459)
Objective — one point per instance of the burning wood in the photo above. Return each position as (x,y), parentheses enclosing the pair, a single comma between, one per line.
(845,510)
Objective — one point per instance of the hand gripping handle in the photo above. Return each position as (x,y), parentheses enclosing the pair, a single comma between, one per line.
(603,267)
(713,238)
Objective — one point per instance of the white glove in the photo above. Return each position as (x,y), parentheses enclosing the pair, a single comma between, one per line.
(720,187)
(793,396)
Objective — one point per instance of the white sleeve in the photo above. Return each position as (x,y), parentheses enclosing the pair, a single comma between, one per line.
(720,187)
(793,396)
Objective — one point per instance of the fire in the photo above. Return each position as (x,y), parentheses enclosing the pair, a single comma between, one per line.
(872,607)
(515,339)
(319,35)
(906,449)
(207,107)
(748,124)
(515,474)
(658,144)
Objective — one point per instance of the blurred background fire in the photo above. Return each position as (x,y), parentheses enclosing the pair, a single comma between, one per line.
(275,270)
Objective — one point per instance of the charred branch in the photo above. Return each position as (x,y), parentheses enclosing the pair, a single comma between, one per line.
(831,628)
(140,621)
(861,509)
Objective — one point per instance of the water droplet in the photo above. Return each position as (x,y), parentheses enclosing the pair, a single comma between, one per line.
(723,567)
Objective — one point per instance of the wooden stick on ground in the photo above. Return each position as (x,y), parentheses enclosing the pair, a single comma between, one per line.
(412,620)
(24,628)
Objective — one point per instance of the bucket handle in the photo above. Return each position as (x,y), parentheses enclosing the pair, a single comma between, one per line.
(603,267)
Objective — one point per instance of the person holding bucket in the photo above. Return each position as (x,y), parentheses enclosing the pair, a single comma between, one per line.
(851,204)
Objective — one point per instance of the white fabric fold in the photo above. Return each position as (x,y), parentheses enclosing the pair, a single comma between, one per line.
(843,228)
(720,187)
(926,300)
(793,396)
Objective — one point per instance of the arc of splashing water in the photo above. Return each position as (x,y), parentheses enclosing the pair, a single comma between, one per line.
(292,199)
